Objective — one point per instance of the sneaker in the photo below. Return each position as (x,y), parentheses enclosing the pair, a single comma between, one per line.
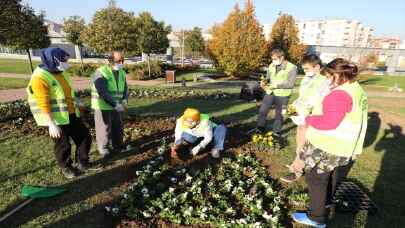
(88,166)
(303,218)
(69,172)
(215,153)
(289,178)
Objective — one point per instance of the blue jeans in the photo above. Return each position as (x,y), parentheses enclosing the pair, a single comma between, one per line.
(218,137)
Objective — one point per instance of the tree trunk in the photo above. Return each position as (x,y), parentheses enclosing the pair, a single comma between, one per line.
(81,58)
(29,59)
(150,77)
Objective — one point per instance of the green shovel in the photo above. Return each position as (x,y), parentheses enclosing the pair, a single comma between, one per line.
(31,193)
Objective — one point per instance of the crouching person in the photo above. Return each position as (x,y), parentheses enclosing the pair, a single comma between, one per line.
(54,104)
(197,129)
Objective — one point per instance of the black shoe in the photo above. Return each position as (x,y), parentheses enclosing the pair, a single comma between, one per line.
(289,178)
(88,166)
(69,172)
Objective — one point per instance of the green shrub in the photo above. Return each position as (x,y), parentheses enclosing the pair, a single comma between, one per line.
(87,70)
(141,72)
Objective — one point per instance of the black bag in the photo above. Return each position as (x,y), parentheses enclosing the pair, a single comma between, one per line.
(251,91)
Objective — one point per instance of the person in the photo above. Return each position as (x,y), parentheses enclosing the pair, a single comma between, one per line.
(197,129)
(54,104)
(313,88)
(109,98)
(278,85)
(334,139)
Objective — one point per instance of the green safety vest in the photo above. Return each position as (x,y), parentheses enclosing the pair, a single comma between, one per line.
(59,110)
(278,78)
(348,138)
(116,90)
(309,94)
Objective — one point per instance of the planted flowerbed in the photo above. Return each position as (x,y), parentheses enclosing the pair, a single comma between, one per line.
(235,192)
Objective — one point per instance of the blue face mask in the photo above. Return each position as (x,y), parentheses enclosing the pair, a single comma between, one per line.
(117,66)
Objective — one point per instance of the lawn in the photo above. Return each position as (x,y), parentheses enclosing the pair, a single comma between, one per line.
(27,158)
(383,81)
(13,83)
(16,66)
(189,76)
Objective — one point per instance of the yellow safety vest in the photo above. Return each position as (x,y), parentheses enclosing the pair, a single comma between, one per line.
(348,138)
(59,110)
(278,78)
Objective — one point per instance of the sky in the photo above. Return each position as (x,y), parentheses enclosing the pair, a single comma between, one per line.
(386,17)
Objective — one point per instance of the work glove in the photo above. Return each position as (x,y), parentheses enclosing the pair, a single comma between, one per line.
(195,150)
(125,103)
(298,120)
(54,130)
(119,108)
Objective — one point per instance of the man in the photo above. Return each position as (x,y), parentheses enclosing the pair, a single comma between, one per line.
(197,129)
(278,85)
(109,101)
(54,104)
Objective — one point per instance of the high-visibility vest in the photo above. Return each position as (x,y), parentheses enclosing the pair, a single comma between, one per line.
(203,125)
(348,138)
(309,94)
(278,78)
(116,90)
(59,109)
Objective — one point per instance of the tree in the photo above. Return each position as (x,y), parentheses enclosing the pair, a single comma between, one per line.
(10,11)
(238,45)
(74,27)
(194,41)
(111,29)
(284,35)
(27,29)
(151,35)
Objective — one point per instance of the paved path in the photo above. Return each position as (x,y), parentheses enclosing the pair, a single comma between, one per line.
(79,83)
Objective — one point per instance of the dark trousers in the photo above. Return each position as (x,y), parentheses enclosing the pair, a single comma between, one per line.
(267,102)
(80,135)
(321,189)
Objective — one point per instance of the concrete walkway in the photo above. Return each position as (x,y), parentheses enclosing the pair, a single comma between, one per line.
(79,83)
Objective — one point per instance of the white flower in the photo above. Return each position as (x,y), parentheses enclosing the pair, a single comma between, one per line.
(152,162)
(108,209)
(146,195)
(188,178)
(125,196)
(115,210)
(242,221)
(204,209)
(266,216)
(171,189)
(173,180)
(276,208)
(148,167)
(146,214)
(144,190)
(138,173)
(229,210)
(257,225)
(188,211)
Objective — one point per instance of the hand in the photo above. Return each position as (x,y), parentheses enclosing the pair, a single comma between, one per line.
(173,151)
(54,130)
(298,120)
(263,84)
(125,103)
(195,150)
(119,108)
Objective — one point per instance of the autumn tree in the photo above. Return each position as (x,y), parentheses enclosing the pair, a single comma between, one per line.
(238,45)
(111,29)
(284,35)
(194,41)
(73,28)
(26,29)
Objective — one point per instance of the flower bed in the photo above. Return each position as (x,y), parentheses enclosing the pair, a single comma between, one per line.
(236,192)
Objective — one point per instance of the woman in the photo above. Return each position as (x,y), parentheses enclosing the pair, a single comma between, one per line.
(54,104)
(335,136)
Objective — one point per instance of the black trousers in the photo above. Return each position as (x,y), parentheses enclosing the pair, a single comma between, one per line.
(267,102)
(80,135)
(321,189)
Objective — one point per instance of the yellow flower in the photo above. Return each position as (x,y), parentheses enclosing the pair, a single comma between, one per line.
(269,133)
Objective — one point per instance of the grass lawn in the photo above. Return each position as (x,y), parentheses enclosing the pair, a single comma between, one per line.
(28,159)
(13,83)
(189,76)
(17,66)
(381,80)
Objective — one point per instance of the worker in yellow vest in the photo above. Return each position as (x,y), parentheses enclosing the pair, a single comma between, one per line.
(278,85)
(54,104)
(109,98)
(197,129)
(334,139)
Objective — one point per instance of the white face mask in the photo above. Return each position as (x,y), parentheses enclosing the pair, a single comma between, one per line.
(276,62)
(309,74)
(63,66)
(117,66)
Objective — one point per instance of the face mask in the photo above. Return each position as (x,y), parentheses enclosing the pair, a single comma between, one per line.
(117,67)
(63,66)
(276,62)
(309,74)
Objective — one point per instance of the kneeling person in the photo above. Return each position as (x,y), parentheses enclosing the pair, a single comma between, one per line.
(194,127)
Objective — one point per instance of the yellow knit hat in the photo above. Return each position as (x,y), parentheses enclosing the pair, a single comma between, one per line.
(191,115)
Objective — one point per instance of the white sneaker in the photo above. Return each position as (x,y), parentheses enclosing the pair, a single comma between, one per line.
(215,153)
